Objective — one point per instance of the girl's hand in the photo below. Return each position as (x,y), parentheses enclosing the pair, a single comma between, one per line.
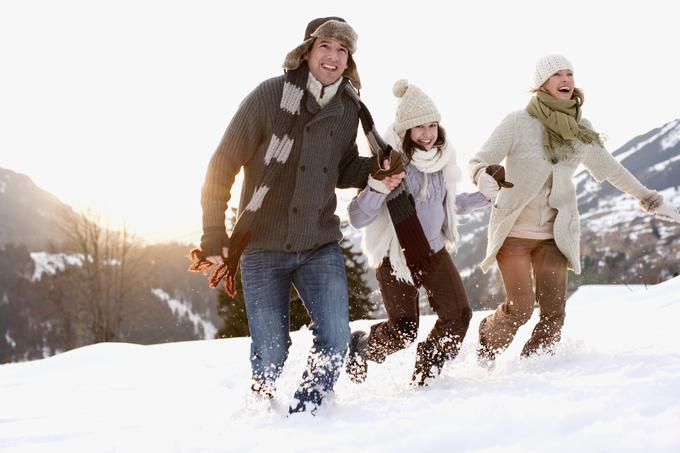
(392,182)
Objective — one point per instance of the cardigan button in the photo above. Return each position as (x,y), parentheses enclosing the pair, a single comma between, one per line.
(288,246)
(554,160)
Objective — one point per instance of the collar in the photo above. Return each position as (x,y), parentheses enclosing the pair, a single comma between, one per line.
(322,94)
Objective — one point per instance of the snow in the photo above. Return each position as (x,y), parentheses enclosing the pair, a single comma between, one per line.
(590,187)
(181,309)
(613,385)
(465,273)
(52,262)
(672,138)
(10,341)
(663,165)
(670,126)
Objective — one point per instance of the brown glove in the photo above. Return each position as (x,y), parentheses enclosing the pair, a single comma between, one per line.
(396,166)
(498,173)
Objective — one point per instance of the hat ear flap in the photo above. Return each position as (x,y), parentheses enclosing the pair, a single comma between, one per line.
(351,73)
(296,56)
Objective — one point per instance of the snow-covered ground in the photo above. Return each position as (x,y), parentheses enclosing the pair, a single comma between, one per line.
(613,386)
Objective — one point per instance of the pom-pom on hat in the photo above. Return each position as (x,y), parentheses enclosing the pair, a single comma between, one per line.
(549,65)
(414,108)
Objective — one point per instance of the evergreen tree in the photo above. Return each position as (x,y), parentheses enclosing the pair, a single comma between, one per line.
(360,305)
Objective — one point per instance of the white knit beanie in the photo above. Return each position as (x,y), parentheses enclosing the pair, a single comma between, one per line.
(414,108)
(549,65)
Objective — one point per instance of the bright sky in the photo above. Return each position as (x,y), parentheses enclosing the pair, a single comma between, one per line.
(119,105)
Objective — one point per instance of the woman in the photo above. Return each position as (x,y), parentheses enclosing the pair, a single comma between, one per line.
(535,227)
(431,175)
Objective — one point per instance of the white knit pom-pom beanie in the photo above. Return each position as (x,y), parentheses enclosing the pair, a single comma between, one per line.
(414,108)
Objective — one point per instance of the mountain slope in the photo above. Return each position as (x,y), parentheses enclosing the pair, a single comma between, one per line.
(28,212)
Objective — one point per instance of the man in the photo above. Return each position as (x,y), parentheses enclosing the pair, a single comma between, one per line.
(294,136)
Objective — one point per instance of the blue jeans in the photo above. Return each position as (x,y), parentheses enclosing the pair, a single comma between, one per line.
(319,278)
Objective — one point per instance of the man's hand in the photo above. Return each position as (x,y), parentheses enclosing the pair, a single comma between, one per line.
(392,182)
(213,242)
(217,259)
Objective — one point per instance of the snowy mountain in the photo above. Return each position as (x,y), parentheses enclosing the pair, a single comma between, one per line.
(604,390)
(28,212)
(619,242)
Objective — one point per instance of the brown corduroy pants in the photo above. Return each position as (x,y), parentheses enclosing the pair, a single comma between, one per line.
(516,259)
(447,296)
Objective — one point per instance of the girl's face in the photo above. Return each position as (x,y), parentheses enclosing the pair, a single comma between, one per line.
(424,135)
(560,85)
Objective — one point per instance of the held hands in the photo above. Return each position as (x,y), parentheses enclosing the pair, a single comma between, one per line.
(388,175)
(487,186)
(392,181)
(492,180)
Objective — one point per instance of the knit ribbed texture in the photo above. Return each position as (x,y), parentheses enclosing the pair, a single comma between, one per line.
(549,65)
(297,213)
(519,140)
(414,108)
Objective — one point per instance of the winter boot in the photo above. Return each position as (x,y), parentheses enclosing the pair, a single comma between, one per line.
(357,366)
(429,364)
(486,356)
(264,390)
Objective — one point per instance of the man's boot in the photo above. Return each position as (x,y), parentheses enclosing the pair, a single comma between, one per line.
(357,366)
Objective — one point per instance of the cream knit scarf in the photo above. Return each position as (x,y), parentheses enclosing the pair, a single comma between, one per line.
(379,239)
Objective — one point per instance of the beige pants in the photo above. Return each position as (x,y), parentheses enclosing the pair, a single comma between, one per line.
(516,260)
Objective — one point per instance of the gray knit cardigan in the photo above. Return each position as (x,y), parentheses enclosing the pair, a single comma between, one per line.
(299,213)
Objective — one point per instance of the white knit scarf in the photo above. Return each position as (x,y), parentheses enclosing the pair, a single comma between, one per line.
(379,239)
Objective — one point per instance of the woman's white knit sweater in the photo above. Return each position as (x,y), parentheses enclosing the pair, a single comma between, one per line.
(519,141)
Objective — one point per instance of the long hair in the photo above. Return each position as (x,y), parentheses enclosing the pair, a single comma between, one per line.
(409,147)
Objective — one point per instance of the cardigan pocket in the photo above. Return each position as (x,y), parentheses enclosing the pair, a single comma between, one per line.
(575,226)
(501,212)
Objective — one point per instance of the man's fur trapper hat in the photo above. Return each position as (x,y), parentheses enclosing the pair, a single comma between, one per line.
(327,27)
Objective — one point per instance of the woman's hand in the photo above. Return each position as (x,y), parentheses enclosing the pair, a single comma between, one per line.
(487,186)
(667,212)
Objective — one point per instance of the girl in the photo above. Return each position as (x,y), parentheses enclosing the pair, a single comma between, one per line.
(535,227)
(431,175)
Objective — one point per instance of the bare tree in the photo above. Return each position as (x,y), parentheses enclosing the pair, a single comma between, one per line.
(93,295)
